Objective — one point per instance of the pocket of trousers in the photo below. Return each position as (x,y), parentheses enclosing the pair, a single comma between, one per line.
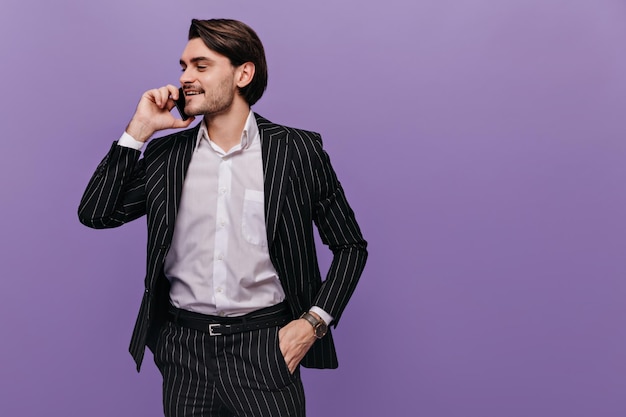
(280,359)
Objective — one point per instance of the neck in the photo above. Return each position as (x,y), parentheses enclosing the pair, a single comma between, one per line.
(225,128)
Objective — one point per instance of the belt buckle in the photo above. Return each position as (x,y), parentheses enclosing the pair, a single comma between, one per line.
(212,331)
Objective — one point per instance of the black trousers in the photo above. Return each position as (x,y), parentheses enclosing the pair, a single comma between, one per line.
(242,375)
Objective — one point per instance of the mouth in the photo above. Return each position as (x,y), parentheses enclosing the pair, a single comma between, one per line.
(189,92)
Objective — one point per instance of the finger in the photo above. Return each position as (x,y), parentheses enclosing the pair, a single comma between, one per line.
(172,91)
(151,95)
(156,95)
(170,104)
(161,96)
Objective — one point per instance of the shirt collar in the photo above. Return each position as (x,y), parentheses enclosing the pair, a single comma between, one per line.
(250,131)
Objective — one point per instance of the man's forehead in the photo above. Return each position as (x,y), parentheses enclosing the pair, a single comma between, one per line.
(196,49)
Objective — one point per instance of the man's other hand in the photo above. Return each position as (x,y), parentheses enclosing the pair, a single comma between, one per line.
(295,340)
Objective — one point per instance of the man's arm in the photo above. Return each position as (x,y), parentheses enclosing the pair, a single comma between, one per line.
(339,230)
(115,194)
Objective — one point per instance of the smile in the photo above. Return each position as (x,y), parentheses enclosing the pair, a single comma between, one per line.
(192,93)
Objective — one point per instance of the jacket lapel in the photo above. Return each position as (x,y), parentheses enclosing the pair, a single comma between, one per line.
(276,154)
(177,161)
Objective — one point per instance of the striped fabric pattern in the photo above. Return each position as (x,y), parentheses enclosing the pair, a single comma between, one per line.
(301,190)
(243,374)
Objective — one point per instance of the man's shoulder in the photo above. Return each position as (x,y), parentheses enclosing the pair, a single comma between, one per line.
(299,135)
(164,143)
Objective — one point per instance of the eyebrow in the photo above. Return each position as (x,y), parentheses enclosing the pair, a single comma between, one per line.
(195,60)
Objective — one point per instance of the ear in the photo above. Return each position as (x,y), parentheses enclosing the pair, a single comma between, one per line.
(244,74)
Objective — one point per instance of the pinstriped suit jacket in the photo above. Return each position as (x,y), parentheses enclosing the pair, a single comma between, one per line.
(301,189)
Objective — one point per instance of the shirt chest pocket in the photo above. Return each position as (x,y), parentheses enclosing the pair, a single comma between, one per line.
(253,221)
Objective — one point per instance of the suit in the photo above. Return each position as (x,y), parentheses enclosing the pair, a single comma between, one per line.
(301,189)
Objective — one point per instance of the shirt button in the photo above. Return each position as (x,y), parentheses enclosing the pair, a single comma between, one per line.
(220,257)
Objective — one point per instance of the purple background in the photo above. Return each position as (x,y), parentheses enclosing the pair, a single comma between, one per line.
(481,144)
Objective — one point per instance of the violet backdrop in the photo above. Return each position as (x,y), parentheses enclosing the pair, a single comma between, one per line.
(480,142)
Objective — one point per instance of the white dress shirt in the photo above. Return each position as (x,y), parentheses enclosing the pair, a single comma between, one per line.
(218,262)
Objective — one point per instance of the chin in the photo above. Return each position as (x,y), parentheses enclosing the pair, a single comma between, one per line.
(192,111)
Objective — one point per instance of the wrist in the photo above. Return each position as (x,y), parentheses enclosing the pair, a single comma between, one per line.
(139,130)
(328,319)
(320,328)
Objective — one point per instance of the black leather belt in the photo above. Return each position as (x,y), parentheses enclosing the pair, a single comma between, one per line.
(274,316)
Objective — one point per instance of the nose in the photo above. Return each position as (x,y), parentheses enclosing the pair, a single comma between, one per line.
(185,77)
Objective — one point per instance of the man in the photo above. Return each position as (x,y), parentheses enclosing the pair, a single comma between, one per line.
(234,301)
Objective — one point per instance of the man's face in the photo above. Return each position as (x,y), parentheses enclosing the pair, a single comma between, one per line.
(208,80)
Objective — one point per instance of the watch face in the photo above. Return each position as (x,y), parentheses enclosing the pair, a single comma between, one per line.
(320,330)
(319,327)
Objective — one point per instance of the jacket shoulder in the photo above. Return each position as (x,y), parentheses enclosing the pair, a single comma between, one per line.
(163,143)
(298,135)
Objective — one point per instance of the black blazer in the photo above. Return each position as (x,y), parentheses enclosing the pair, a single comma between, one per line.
(301,189)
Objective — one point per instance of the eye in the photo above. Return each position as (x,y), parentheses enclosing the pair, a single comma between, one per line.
(201,67)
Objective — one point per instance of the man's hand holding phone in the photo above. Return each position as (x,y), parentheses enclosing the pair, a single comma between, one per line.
(153,113)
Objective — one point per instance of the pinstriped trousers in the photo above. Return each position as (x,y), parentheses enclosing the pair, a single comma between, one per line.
(238,375)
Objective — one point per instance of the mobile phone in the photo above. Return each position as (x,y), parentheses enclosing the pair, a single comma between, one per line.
(180,104)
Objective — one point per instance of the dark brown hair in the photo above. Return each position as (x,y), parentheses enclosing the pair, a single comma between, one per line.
(240,44)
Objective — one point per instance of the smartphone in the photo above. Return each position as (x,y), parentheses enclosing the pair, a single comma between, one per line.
(180,104)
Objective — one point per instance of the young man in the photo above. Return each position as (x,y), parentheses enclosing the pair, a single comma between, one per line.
(234,301)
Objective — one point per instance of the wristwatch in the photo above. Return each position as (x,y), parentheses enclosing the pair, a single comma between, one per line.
(319,326)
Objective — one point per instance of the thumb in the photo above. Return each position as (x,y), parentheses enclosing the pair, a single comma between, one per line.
(180,124)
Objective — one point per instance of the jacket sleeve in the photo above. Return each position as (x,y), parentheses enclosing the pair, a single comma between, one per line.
(339,230)
(116,192)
